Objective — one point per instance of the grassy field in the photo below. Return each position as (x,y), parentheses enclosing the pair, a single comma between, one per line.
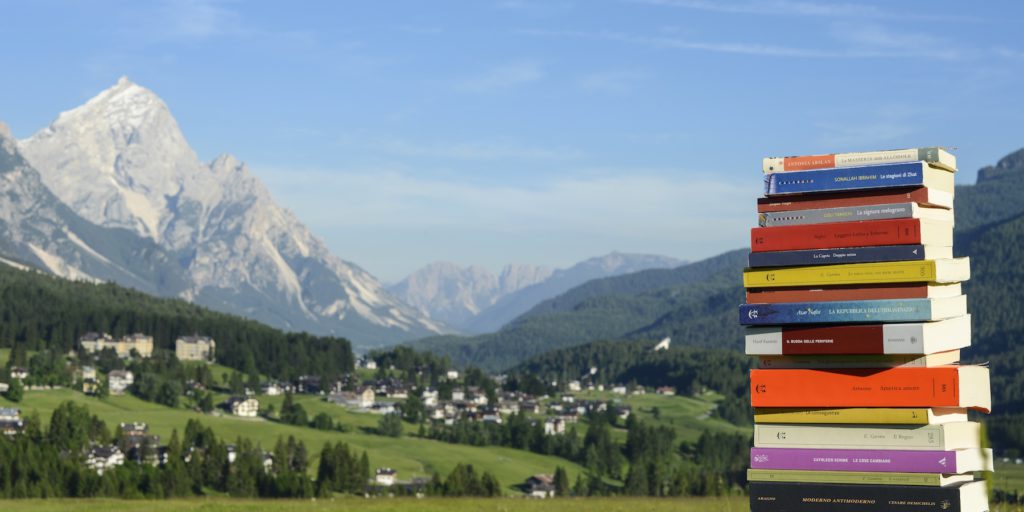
(409,456)
(734,504)
(689,416)
(738,504)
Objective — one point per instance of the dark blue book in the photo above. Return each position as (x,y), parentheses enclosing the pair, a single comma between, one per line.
(913,174)
(848,255)
(810,497)
(854,311)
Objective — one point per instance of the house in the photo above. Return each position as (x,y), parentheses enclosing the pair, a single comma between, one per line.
(90,386)
(243,406)
(271,389)
(11,428)
(195,348)
(574,385)
(430,397)
(95,342)
(9,414)
(88,373)
(119,380)
(368,363)
(101,458)
(4,387)
(667,391)
(383,408)
(385,477)
(308,384)
(363,398)
(554,426)
(540,486)
(623,412)
(619,390)
(458,395)
(19,373)
(452,375)
(491,415)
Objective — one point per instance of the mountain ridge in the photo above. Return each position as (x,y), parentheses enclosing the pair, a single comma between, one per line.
(121,161)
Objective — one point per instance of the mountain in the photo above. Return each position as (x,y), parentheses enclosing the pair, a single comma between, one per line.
(472,299)
(38,230)
(696,304)
(620,307)
(455,295)
(121,161)
(511,306)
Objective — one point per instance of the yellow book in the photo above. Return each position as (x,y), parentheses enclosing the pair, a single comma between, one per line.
(856,477)
(862,415)
(952,270)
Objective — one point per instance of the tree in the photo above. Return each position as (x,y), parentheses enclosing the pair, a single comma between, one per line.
(16,391)
(390,425)
(561,482)
(293,413)
(322,421)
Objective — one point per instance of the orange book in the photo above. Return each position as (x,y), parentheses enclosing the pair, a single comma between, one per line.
(945,386)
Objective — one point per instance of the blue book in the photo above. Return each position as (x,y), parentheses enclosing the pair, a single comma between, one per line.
(854,311)
(912,174)
(877,254)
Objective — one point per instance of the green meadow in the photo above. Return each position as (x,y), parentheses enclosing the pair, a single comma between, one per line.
(408,455)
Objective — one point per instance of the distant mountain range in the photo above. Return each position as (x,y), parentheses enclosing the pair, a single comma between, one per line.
(471,299)
(696,304)
(111,190)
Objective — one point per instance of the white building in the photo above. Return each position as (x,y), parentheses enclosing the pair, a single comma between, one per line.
(554,426)
(243,406)
(540,486)
(619,390)
(458,395)
(429,397)
(574,385)
(88,373)
(195,348)
(271,389)
(385,477)
(18,372)
(119,380)
(101,458)
(96,342)
(452,375)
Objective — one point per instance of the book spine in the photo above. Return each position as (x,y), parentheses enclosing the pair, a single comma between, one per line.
(802,497)
(840,362)
(854,311)
(836,235)
(837,340)
(843,477)
(849,178)
(829,275)
(846,214)
(839,256)
(926,437)
(845,415)
(919,195)
(811,162)
(909,461)
(894,387)
(837,293)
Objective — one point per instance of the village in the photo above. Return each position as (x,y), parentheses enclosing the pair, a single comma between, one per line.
(369,390)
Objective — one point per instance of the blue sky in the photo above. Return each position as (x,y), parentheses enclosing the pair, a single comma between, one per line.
(544,132)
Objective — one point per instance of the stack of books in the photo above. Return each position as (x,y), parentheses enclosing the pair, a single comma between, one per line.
(855,311)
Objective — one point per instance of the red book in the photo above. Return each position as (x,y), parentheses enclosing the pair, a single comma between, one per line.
(898,338)
(836,235)
(919,195)
(943,386)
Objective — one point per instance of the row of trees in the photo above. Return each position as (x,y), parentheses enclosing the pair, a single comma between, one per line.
(40,312)
(51,463)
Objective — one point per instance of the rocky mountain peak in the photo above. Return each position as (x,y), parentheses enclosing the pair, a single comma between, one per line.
(1011,164)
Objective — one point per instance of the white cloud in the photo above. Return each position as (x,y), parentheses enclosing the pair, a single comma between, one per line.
(197,19)
(502,77)
(857,42)
(798,8)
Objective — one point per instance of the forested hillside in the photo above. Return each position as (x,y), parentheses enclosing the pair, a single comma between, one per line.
(39,311)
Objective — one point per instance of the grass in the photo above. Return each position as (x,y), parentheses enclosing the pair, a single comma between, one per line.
(409,456)
(735,504)
(689,416)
